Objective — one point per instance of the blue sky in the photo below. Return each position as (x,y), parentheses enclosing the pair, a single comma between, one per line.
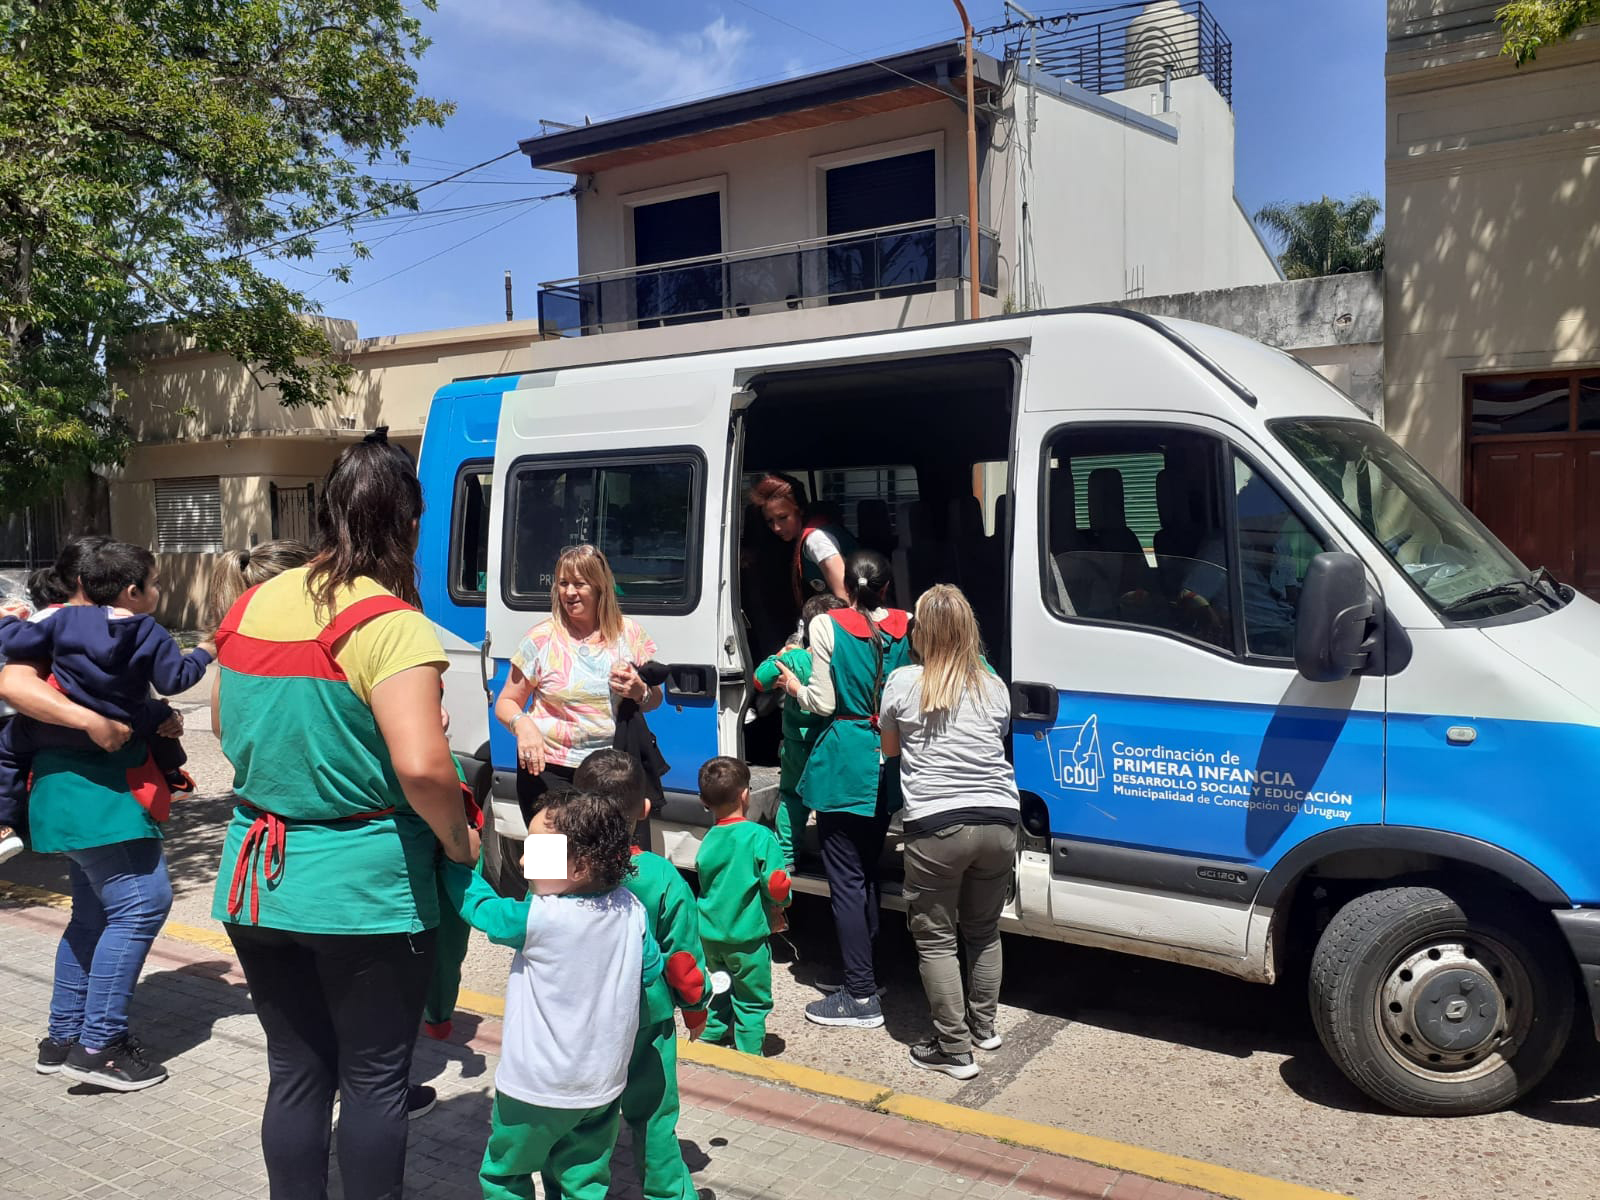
(1308,106)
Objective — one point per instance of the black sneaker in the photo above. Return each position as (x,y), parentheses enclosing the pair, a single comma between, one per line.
(841,1008)
(122,1066)
(420,1099)
(53,1055)
(829,986)
(929,1057)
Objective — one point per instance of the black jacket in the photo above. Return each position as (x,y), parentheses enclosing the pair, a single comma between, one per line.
(633,735)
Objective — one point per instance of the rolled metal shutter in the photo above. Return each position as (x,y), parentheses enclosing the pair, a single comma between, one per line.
(188,515)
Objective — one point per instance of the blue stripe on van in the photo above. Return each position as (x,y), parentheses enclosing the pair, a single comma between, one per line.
(1248,783)
(462,423)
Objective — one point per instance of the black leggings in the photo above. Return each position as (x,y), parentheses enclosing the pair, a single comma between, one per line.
(340,1012)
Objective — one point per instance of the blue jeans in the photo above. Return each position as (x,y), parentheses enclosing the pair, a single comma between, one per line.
(120,899)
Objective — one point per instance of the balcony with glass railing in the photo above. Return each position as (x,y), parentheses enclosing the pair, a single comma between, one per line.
(899,260)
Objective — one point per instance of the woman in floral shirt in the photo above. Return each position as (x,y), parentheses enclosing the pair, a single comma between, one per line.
(574,668)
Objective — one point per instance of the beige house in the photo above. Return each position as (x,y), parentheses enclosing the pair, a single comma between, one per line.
(1493,275)
(829,204)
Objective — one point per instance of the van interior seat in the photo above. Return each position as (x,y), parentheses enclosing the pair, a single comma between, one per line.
(1109,532)
(980,562)
(873,529)
(1082,570)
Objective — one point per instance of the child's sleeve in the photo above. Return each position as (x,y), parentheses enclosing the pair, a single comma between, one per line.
(26,641)
(767,675)
(650,962)
(505,922)
(775,881)
(171,670)
(685,966)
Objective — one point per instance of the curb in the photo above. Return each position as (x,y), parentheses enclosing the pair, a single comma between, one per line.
(874,1097)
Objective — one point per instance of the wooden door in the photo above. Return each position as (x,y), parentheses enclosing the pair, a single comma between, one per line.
(1528,495)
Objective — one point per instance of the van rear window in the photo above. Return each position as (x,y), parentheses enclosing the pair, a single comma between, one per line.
(644,513)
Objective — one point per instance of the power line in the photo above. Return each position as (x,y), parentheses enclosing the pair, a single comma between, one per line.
(416,191)
(827,42)
(439,254)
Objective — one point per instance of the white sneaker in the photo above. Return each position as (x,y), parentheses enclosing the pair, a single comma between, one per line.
(993,1042)
(10,847)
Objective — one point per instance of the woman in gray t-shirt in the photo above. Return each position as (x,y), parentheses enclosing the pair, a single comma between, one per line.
(946,718)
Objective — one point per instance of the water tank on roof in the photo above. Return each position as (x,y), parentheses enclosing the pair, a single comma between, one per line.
(1161,38)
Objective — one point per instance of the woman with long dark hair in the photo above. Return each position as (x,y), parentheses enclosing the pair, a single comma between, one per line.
(853,652)
(327,703)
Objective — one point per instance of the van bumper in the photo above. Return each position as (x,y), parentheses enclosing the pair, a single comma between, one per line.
(1581,928)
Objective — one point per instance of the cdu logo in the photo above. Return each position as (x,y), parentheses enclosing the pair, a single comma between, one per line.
(1075,755)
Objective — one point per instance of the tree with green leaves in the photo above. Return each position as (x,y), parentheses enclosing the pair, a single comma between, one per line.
(1326,236)
(1528,25)
(155,156)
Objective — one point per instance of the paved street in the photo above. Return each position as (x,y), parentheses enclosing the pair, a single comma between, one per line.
(1170,1058)
(194,1137)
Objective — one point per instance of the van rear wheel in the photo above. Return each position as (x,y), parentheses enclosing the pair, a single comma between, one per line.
(1438,1005)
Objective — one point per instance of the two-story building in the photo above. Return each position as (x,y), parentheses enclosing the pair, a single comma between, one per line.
(827,204)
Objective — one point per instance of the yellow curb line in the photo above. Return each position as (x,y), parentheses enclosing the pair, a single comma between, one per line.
(1101,1152)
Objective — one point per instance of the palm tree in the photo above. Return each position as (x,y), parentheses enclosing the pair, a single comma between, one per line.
(1326,236)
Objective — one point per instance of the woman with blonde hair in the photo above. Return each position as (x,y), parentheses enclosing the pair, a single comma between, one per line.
(237,571)
(946,717)
(569,674)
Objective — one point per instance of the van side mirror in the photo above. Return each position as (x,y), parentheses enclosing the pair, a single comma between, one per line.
(1333,618)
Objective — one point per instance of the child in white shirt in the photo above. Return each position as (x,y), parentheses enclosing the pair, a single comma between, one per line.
(584,955)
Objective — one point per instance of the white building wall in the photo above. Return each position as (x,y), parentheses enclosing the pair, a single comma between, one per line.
(1125,201)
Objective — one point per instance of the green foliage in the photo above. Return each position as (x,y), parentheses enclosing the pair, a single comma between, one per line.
(145,146)
(1529,24)
(1326,236)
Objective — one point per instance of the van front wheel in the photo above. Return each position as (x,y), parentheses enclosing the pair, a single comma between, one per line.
(1437,1005)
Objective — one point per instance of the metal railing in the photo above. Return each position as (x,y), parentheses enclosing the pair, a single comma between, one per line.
(899,260)
(1138,48)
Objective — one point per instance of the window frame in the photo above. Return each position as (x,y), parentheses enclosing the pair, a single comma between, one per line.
(597,460)
(462,597)
(1239,652)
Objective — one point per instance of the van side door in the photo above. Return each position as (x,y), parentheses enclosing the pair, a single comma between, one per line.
(1159,714)
(634,463)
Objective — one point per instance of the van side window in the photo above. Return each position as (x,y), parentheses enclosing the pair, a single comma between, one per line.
(1275,549)
(643,512)
(1169,530)
(469,533)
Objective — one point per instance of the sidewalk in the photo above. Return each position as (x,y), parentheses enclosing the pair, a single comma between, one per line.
(195,1136)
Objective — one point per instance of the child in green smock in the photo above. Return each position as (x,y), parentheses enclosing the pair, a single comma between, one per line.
(743,886)
(650,1099)
(800,727)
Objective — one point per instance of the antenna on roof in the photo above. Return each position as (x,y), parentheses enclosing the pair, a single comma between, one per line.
(548,125)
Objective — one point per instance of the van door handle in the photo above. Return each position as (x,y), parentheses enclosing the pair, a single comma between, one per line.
(685,680)
(1035,702)
(483,667)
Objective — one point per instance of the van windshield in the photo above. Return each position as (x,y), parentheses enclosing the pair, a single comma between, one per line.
(1449,555)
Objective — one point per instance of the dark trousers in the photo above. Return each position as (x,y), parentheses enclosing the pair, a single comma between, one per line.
(532,789)
(340,1012)
(23,737)
(852,847)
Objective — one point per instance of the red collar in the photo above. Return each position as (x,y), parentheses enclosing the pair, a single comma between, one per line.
(730,820)
(854,622)
(635,851)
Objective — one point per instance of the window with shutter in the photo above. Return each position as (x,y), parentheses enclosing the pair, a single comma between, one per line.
(188,515)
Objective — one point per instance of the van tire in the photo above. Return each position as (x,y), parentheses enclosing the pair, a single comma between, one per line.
(1441,1005)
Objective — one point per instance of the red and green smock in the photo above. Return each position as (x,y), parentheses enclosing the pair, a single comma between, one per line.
(842,771)
(323,840)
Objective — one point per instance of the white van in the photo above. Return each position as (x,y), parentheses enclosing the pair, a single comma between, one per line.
(1275,690)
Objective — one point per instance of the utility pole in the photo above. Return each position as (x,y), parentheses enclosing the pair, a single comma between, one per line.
(972,166)
(508,296)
